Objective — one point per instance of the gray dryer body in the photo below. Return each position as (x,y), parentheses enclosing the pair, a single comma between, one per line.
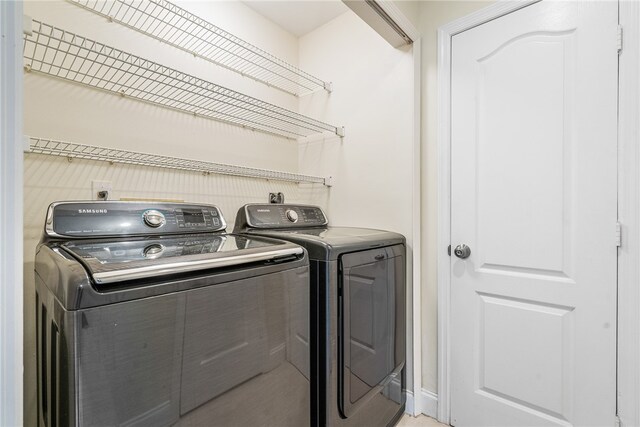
(358,312)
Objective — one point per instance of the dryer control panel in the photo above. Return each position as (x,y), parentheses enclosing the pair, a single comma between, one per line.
(268,216)
(113,218)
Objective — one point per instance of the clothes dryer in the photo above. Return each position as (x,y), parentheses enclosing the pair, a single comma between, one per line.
(358,312)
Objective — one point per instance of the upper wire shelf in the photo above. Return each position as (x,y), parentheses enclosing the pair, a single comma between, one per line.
(73,150)
(177,27)
(62,54)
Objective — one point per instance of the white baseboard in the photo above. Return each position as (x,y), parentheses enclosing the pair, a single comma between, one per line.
(408,407)
(429,403)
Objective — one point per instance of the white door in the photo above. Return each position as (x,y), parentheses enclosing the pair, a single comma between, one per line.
(534,146)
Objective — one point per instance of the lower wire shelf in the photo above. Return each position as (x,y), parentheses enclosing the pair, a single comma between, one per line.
(113,155)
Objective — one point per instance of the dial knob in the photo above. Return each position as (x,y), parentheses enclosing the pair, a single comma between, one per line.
(153,251)
(291,215)
(153,218)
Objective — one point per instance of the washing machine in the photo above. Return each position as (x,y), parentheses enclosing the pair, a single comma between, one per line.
(358,312)
(150,314)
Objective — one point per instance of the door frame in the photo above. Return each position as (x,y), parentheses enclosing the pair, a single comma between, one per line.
(628,203)
(11,240)
(629,215)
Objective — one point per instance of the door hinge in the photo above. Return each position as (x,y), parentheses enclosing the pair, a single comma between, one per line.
(618,234)
(619,38)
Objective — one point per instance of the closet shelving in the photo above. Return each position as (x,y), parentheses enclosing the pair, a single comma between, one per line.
(73,150)
(59,53)
(177,27)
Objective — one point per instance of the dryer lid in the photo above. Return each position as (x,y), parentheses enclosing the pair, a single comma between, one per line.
(328,243)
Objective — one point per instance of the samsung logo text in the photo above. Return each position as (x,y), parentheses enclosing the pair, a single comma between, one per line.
(92,211)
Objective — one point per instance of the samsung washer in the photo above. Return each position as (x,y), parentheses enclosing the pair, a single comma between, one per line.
(149,314)
(358,312)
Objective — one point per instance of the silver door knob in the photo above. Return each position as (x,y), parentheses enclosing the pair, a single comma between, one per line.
(462,251)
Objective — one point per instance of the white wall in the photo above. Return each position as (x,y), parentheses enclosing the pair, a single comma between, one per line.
(373,99)
(62,110)
(433,14)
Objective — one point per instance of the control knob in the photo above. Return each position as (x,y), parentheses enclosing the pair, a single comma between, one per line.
(291,215)
(153,251)
(153,218)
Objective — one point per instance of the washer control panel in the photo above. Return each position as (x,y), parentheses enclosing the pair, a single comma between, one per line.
(283,216)
(112,218)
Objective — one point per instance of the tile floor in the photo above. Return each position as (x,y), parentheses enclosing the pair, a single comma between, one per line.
(420,421)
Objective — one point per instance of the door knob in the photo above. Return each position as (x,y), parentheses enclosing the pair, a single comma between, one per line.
(462,251)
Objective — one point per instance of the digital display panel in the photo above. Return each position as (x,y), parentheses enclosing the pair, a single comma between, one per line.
(310,212)
(193,216)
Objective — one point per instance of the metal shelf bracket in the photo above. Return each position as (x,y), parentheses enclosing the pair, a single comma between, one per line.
(27,25)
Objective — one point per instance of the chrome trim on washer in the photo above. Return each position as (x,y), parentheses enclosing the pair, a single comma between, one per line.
(48,227)
(183,267)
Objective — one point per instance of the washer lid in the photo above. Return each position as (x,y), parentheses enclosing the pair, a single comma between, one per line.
(130,259)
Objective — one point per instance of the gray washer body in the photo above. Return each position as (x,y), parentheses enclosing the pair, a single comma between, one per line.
(217,346)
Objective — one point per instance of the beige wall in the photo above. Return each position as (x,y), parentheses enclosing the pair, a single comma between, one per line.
(433,14)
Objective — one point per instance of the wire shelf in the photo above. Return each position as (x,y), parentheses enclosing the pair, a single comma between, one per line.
(177,27)
(65,55)
(90,152)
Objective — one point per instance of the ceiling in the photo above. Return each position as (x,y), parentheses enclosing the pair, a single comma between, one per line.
(298,17)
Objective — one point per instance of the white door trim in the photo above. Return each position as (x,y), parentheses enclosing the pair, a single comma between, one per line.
(445,34)
(11,170)
(629,216)
(416,317)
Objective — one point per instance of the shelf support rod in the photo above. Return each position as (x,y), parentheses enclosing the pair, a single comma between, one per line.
(72,150)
